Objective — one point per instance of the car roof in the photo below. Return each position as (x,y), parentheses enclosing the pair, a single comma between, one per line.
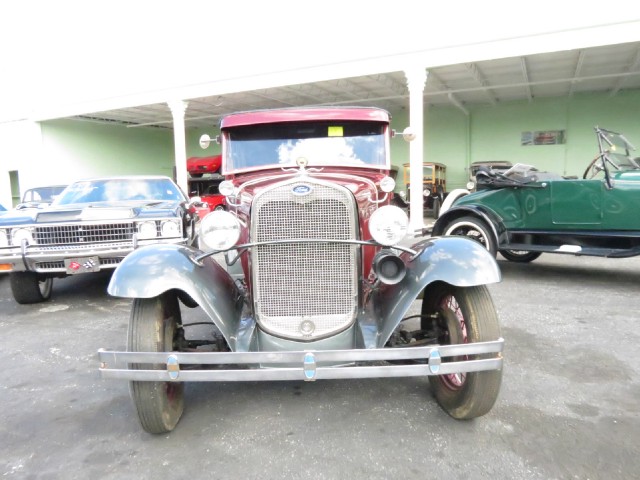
(304,115)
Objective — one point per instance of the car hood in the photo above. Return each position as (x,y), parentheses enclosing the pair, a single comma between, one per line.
(92,212)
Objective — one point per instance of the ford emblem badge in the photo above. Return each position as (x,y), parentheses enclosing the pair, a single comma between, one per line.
(301,189)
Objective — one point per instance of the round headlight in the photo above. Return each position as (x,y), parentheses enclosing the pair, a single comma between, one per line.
(4,241)
(170,228)
(19,234)
(147,230)
(387,184)
(388,225)
(471,185)
(219,230)
(226,188)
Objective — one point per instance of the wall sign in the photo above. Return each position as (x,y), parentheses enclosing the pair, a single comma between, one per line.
(543,137)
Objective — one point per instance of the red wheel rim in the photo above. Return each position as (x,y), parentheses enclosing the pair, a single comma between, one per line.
(454,317)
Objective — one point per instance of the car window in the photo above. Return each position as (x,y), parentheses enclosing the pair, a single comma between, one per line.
(320,143)
(115,190)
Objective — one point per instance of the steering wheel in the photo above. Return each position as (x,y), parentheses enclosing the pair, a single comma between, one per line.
(593,168)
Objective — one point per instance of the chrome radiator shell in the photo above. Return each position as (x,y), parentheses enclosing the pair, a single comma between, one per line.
(305,291)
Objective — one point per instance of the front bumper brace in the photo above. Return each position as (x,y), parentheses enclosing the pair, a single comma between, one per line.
(113,364)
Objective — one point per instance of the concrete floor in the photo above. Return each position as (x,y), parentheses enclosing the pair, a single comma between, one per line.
(569,406)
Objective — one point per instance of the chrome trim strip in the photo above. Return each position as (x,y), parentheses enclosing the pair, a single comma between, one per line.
(245,246)
(113,364)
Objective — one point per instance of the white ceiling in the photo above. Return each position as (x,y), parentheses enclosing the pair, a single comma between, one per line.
(609,69)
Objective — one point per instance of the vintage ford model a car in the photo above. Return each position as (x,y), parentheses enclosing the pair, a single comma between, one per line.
(523,212)
(306,277)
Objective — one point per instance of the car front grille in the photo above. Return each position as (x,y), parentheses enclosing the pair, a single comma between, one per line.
(305,291)
(79,234)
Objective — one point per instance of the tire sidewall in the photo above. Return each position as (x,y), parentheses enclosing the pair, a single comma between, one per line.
(476,224)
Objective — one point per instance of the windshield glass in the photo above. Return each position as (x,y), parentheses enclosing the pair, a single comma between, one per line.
(360,144)
(120,189)
(42,194)
(622,162)
(617,150)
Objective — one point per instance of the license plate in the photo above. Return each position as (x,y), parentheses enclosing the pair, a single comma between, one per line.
(75,266)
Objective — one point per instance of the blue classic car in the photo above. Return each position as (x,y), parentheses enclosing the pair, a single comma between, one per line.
(523,212)
(308,276)
(92,225)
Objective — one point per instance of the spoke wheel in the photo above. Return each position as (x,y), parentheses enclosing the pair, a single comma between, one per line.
(30,287)
(153,328)
(475,229)
(520,256)
(463,315)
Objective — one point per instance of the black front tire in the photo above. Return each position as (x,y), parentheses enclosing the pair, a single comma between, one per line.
(475,229)
(153,327)
(30,287)
(463,315)
(520,256)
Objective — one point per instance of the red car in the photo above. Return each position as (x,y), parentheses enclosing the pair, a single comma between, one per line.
(197,166)
(210,197)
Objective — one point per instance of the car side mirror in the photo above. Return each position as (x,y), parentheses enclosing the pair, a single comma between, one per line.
(205,141)
(409,134)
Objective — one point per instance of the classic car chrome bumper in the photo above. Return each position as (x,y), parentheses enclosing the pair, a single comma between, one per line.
(309,367)
(50,259)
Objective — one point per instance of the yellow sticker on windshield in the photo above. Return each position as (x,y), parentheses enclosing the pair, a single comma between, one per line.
(335,132)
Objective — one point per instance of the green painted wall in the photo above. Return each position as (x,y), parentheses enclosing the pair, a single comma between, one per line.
(494,132)
(82,149)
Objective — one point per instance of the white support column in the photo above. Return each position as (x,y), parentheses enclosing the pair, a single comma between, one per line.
(416,80)
(178,109)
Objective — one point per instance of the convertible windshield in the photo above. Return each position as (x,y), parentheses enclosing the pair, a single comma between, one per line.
(320,143)
(120,189)
(617,149)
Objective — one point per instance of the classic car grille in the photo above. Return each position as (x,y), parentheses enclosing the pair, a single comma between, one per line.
(74,234)
(305,290)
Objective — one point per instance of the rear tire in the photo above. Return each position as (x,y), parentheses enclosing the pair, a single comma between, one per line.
(463,315)
(153,327)
(30,287)
(520,256)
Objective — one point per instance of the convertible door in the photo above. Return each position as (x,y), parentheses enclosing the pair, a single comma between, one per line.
(577,203)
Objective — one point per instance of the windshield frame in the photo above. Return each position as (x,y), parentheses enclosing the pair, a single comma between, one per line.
(285,147)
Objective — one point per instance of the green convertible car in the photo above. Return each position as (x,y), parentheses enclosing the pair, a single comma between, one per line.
(523,213)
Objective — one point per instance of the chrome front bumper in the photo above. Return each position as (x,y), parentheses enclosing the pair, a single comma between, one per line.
(307,365)
(50,259)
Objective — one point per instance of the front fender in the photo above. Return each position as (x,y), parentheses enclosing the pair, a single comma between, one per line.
(458,261)
(155,269)
(493,221)
(452,197)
